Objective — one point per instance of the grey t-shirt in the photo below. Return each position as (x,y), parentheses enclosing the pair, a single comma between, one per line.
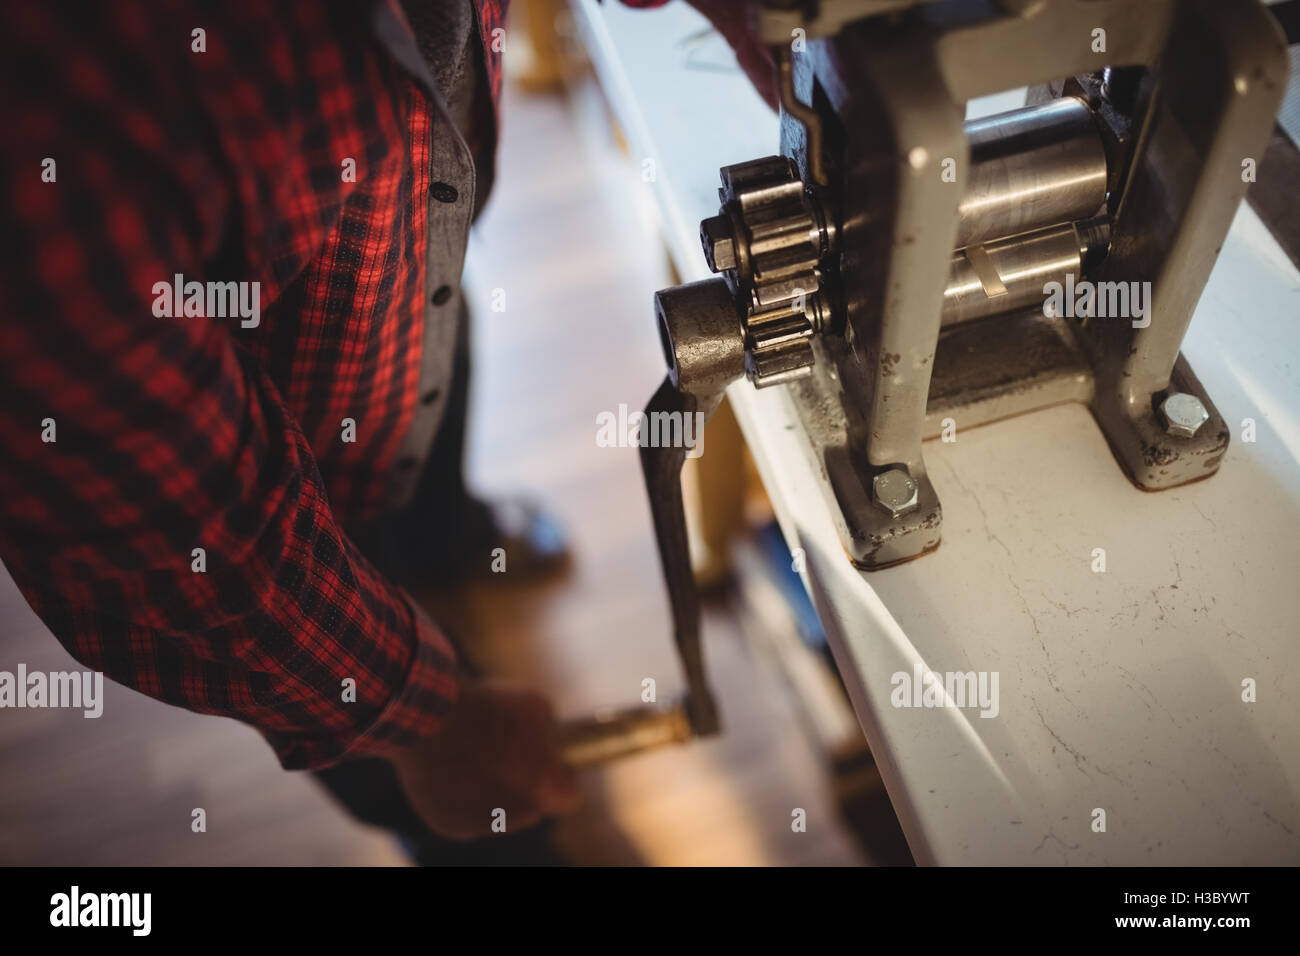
(446,58)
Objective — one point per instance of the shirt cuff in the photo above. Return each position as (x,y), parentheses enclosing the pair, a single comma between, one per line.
(417,708)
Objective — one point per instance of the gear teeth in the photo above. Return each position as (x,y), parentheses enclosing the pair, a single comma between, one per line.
(774,328)
(777,225)
(779,347)
(781,363)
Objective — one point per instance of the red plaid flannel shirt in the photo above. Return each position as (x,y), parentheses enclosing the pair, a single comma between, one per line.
(127,158)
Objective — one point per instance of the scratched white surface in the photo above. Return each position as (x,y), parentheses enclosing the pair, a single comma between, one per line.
(1119,691)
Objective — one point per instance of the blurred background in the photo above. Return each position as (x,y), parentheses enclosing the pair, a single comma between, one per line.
(570,237)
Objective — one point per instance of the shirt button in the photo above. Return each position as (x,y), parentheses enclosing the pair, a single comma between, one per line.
(406,464)
(444,193)
(441,295)
(430,396)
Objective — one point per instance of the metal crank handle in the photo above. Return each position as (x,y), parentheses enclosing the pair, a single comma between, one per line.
(610,735)
(700,329)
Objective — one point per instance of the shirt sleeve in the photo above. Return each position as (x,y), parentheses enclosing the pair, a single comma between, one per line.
(160,507)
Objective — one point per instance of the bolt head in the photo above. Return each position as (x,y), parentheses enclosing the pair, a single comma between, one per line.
(1184,414)
(719,243)
(894,491)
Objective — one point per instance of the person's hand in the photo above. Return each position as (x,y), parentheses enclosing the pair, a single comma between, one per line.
(495,749)
(731,19)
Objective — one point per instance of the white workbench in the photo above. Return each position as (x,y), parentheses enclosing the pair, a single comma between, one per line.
(1119,690)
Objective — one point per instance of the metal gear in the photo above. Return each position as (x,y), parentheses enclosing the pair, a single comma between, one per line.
(769,241)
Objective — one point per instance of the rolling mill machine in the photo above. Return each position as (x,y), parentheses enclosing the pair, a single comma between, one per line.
(901,270)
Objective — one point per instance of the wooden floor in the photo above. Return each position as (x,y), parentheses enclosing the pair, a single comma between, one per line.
(566,238)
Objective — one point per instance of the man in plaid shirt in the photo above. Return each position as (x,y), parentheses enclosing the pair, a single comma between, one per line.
(214,506)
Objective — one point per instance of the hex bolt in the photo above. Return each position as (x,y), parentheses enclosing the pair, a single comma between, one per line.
(719,243)
(1184,414)
(894,491)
